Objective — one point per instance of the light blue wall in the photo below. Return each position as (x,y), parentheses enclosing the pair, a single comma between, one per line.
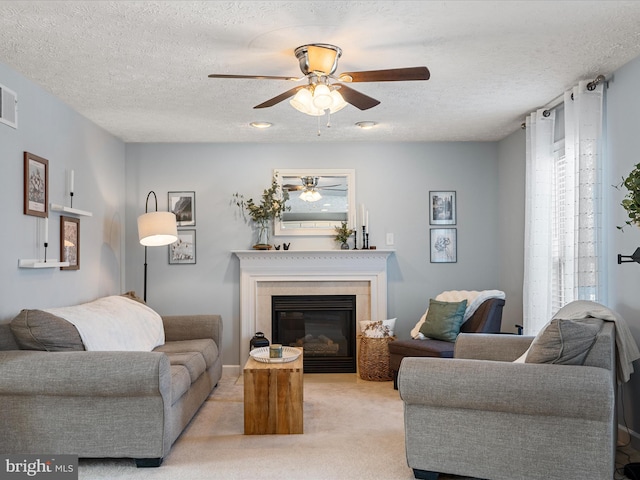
(392,180)
(623,147)
(50,129)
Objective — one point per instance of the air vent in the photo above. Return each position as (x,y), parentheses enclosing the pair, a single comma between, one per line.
(8,107)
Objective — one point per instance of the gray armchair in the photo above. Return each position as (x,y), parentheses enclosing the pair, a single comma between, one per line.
(481,415)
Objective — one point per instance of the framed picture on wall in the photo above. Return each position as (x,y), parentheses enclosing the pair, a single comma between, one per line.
(442,208)
(183,204)
(70,242)
(36,185)
(183,250)
(444,245)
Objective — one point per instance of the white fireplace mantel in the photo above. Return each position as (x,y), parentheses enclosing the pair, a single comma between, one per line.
(258,266)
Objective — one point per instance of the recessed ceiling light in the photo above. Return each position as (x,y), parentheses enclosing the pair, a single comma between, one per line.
(366,125)
(261,124)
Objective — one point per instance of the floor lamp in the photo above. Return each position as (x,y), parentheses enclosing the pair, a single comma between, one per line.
(155,229)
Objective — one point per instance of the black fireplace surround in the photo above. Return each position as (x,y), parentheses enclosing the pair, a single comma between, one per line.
(324,325)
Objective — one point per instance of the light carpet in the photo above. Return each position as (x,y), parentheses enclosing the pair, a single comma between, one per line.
(353,429)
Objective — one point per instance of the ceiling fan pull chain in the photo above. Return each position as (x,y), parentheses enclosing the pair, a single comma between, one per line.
(318,125)
(328,112)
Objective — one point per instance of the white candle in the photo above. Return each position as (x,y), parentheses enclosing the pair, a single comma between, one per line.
(71,182)
(46,230)
(362,215)
(367,221)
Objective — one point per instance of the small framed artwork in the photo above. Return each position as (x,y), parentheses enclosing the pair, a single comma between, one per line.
(183,204)
(444,245)
(70,242)
(183,250)
(36,185)
(442,208)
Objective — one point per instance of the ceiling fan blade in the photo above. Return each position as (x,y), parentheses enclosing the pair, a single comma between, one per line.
(391,75)
(283,96)
(357,99)
(258,77)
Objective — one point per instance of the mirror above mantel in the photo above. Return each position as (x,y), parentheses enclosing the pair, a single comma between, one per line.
(320,200)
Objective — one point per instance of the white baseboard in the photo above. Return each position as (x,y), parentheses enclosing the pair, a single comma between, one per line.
(231,370)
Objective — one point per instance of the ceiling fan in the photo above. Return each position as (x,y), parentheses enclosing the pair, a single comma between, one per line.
(326,91)
(309,186)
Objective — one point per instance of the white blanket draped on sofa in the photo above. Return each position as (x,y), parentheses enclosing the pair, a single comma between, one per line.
(114,323)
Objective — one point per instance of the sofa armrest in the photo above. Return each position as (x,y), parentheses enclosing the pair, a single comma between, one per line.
(520,388)
(191,327)
(92,374)
(485,346)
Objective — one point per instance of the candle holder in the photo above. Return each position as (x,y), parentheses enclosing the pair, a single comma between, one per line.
(46,244)
(364,238)
(367,241)
(71,195)
(355,239)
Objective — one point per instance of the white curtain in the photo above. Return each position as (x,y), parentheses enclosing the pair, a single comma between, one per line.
(578,231)
(537,226)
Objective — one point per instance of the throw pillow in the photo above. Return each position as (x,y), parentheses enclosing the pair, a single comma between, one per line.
(564,342)
(378,329)
(443,320)
(38,330)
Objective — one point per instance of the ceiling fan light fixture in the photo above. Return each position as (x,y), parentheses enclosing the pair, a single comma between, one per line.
(338,102)
(322,97)
(318,57)
(310,196)
(303,102)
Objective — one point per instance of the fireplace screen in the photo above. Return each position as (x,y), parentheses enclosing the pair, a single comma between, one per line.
(324,325)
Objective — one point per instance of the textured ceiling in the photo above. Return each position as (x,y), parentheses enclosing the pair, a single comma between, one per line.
(139,69)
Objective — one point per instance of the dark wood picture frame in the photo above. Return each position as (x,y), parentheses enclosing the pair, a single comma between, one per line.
(183,205)
(183,250)
(36,185)
(443,245)
(442,207)
(70,242)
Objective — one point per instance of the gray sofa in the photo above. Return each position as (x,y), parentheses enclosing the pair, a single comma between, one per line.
(482,416)
(111,404)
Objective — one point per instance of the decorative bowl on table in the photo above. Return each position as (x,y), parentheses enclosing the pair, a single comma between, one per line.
(261,354)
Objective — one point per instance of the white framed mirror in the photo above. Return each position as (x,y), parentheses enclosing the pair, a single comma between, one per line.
(320,200)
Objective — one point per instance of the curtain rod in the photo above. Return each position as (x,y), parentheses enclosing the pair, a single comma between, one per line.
(560,98)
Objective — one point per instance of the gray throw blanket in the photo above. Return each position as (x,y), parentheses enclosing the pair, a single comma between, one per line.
(627,349)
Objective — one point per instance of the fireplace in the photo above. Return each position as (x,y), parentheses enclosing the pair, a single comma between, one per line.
(324,325)
(264,273)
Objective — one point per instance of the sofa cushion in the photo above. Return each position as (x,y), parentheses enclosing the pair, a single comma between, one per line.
(192,361)
(39,330)
(564,342)
(180,382)
(206,346)
(443,320)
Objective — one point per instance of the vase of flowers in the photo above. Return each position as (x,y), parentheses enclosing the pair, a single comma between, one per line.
(273,203)
(342,235)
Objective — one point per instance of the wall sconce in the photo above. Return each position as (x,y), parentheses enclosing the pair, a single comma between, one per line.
(155,229)
(632,258)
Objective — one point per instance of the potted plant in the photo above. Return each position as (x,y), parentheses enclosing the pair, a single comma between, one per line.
(272,204)
(342,235)
(631,201)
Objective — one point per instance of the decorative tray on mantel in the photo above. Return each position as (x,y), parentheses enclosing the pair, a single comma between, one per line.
(261,354)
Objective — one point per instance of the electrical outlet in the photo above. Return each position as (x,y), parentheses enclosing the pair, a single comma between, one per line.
(389,238)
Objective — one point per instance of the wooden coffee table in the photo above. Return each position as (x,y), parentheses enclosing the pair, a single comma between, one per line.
(273,396)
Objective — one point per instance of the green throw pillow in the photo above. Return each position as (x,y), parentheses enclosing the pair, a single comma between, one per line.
(444,320)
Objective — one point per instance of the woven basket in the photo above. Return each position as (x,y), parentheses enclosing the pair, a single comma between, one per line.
(373,359)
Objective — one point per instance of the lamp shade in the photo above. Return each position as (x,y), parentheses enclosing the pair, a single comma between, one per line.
(157,228)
